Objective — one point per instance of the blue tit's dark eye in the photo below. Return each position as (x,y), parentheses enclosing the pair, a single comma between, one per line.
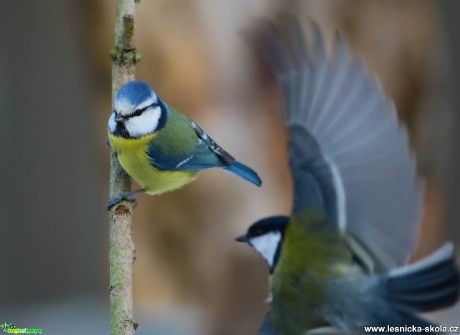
(138,112)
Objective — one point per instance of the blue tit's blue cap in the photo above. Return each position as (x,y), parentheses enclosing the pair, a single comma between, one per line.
(136,92)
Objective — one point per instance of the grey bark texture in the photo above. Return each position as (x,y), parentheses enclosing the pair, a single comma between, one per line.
(121,247)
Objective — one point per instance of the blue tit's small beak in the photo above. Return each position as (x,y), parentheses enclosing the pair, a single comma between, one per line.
(242,238)
(119,118)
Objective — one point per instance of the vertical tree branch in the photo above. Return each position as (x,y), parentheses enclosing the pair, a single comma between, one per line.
(121,247)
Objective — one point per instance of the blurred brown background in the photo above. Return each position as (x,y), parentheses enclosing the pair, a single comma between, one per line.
(189,277)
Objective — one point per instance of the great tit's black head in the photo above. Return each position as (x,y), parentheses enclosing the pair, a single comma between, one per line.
(266,237)
(137,111)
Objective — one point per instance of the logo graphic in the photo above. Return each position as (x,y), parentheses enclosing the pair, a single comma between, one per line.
(9,328)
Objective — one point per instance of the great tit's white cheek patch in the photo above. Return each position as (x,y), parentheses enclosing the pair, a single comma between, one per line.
(112,124)
(266,245)
(144,124)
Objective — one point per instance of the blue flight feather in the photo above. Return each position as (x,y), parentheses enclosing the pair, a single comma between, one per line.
(200,159)
(244,172)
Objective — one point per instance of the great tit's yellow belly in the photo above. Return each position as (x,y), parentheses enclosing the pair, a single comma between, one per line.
(134,160)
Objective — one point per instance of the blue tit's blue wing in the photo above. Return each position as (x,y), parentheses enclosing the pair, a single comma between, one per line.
(349,156)
(199,159)
(208,147)
(230,163)
(205,154)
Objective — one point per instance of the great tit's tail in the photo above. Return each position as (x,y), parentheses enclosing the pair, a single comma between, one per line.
(244,172)
(427,285)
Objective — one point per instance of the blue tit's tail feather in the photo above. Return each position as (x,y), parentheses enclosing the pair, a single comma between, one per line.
(427,285)
(376,193)
(244,172)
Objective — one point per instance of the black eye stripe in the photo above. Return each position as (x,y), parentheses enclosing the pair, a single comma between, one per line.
(138,112)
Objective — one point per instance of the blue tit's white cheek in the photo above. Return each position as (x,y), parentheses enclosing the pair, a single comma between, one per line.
(266,245)
(144,124)
(112,124)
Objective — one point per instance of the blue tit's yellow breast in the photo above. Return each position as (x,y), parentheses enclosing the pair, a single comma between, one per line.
(132,155)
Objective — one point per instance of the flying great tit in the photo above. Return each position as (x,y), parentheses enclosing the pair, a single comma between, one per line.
(159,147)
(340,259)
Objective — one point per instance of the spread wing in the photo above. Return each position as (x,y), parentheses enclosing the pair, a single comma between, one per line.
(349,156)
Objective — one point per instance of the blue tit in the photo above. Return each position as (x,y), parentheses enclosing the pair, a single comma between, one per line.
(159,147)
(340,259)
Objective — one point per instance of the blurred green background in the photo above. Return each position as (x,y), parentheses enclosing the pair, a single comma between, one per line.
(189,277)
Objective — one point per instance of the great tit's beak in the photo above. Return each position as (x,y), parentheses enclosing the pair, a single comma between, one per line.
(242,238)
